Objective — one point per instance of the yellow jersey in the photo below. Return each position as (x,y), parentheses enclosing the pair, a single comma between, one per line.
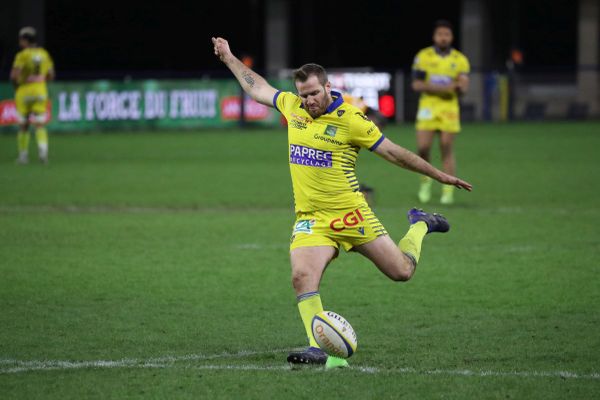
(432,66)
(34,64)
(323,152)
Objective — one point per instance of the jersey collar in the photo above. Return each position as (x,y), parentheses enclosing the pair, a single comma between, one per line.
(441,53)
(337,101)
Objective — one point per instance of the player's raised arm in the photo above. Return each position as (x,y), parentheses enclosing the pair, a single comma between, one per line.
(255,85)
(406,159)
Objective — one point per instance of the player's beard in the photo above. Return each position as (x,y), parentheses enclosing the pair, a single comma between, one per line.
(444,47)
(320,110)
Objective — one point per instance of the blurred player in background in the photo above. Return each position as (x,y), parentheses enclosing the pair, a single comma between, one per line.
(30,71)
(325,135)
(440,74)
(371,113)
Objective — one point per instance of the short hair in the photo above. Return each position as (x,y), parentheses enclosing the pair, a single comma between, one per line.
(307,70)
(442,23)
(28,33)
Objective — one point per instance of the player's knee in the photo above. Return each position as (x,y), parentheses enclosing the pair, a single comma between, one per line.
(401,276)
(401,272)
(300,278)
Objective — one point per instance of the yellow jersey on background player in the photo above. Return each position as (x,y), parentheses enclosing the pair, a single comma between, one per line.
(357,102)
(439,111)
(323,152)
(31,97)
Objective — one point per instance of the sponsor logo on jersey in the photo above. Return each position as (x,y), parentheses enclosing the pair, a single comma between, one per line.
(294,123)
(349,220)
(328,139)
(440,79)
(363,116)
(330,130)
(340,112)
(298,121)
(303,226)
(310,157)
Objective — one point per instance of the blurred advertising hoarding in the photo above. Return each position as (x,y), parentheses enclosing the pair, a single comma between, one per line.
(371,87)
(150,104)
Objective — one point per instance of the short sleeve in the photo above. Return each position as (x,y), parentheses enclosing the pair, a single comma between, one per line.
(464,66)
(417,62)
(19,61)
(364,133)
(284,102)
(418,69)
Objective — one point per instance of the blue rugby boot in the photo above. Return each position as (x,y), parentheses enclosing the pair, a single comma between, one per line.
(312,355)
(435,222)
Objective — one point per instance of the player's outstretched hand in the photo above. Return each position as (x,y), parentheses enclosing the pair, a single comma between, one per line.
(221,47)
(452,180)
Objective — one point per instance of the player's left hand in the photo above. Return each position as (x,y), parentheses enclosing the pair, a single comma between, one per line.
(452,180)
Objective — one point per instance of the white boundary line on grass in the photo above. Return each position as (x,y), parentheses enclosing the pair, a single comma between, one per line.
(11,366)
(8,366)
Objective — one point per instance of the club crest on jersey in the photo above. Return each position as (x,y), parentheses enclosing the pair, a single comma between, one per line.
(303,226)
(340,112)
(330,130)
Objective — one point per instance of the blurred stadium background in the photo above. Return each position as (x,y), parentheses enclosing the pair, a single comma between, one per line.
(146,65)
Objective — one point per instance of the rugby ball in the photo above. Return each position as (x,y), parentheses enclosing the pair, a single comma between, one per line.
(334,334)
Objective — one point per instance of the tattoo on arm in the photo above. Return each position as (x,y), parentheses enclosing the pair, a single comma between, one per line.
(248,78)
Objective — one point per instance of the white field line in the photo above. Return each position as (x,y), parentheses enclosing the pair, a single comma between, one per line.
(14,366)
(9,366)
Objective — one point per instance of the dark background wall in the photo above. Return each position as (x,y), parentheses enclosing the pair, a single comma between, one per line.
(173,37)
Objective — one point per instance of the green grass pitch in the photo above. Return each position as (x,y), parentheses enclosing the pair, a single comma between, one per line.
(155,265)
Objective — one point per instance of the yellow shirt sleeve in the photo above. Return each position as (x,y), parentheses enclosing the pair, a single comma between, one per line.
(363,132)
(418,67)
(284,102)
(418,62)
